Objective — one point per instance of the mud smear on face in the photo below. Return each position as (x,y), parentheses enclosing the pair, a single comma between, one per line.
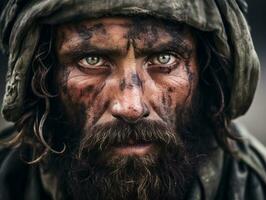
(123,177)
(151,30)
(133,176)
(73,99)
(86,33)
(99,105)
(179,33)
(141,28)
(185,50)
(122,84)
(86,91)
(190,79)
(135,81)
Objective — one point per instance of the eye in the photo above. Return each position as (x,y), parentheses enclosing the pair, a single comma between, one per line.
(92,61)
(163,59)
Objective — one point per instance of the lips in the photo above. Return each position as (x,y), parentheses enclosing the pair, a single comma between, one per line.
(133,148)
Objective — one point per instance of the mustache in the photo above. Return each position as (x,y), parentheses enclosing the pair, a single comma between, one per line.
(117,133)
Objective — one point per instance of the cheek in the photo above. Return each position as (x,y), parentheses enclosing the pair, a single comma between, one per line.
(174,90)
(183,90)
(177,87)
(81,93)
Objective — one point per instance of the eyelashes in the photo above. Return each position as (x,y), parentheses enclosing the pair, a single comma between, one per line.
(92,61)
(163,59)
(164,62)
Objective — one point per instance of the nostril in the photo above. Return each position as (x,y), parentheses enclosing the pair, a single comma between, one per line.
(146,114)
(117,116)
(146,111)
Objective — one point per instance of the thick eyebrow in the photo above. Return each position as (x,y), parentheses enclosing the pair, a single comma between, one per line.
(81,50)
(183,49)
(84,49)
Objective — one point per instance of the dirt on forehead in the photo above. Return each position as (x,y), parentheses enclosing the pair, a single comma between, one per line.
(142,32)
(136,25)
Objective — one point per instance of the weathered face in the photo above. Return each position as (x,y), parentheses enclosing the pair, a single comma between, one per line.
(127,87)
(124,69)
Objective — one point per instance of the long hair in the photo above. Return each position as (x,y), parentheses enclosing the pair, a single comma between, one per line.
(31,125)
(215,83)
(215,79)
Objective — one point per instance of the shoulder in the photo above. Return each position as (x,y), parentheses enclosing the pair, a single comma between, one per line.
(5,151)
(243,173)
(18,179)
(13,172)
(250,151)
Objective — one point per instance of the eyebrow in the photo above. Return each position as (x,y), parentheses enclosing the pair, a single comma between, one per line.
(183,49)
(83,49)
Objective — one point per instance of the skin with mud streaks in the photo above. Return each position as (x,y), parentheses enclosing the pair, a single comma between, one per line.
(116,68)
(126,86)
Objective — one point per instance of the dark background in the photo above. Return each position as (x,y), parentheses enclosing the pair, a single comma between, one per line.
(255,119)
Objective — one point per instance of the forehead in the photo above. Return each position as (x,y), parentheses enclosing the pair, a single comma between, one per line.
(116,32)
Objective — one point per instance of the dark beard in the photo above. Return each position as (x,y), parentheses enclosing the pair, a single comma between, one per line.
(104,175)
(90,170)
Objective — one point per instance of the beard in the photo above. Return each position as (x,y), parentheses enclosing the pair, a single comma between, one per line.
(90,169)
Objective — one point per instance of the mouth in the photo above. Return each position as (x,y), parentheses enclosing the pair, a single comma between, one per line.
(134,148)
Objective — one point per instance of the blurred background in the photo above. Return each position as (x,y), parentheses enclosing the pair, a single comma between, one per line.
(255,119)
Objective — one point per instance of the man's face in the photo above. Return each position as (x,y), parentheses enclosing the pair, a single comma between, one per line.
(128,70)
(134,76)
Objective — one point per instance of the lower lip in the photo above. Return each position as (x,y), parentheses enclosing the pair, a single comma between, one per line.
(137,149)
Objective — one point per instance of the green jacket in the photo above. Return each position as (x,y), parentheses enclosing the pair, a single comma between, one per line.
(222,177)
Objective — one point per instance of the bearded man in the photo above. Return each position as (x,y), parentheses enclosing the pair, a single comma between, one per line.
(128,100)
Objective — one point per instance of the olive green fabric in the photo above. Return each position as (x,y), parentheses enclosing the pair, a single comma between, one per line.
(21,21)
(221,177)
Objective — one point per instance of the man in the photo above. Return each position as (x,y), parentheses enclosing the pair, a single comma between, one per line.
(128,100)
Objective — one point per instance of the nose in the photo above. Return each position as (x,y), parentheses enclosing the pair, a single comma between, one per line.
(129,106)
